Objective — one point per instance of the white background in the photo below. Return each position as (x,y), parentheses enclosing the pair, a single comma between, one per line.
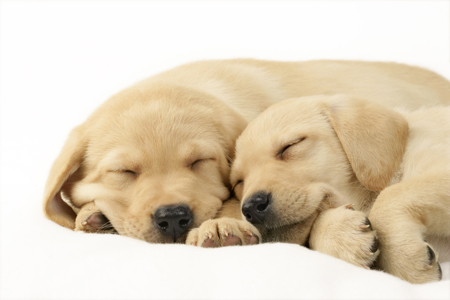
(61,59)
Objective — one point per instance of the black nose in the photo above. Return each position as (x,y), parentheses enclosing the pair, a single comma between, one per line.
(255,208)
(173,220)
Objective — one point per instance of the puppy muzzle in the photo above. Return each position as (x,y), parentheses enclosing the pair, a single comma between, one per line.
(256,207)
(173,220)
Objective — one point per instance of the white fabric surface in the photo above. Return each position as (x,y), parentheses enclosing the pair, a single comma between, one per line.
(61,59)
(44,261)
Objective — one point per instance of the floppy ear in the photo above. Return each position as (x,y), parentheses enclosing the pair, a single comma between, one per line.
(64,166)
(230,125)
(373,137)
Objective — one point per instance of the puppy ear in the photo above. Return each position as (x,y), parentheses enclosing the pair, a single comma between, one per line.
(69,160)
(230,125)
(373,137)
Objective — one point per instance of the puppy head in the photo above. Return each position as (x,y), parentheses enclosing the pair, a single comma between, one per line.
(301,153)
(147,163)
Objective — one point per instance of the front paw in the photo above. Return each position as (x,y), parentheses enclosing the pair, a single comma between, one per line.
(346,234)
(432,265)
(91,220)
(416,261)
(224,232)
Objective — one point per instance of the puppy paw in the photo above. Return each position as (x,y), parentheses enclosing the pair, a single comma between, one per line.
(346,234)
(431,265)
(418,263)
(91,220)
(224,232)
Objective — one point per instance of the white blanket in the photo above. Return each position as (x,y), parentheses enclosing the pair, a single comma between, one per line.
(61,59)
(40,260)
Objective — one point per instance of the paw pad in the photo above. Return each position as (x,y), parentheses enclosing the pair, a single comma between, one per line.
(209,243)
(252,240)
(232,240)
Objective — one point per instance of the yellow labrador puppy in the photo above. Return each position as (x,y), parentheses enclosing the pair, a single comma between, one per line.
(153,161)
(303,155)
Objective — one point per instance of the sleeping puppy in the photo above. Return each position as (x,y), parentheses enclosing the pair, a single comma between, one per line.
(304,153)
(153,161)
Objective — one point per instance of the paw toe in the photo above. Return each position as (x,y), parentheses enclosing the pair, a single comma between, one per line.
(431,255)
(96,220)
(232,240)
(375,245)
(252,240)
(366,225)
(439,271)
(209,243)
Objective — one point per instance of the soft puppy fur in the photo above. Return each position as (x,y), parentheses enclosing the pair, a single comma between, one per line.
(153,161)
(393,165)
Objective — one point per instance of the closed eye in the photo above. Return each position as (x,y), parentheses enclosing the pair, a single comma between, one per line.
(118,178)
(124,171)
(285,148)
(198,162)
(129,172)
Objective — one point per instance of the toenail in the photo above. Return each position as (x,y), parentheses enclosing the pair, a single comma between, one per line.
(350,206)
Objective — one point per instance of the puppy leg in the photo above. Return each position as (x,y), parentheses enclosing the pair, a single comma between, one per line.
(224,232)
(404,214)
(231,208)
(91,220)
(346,234)
(228,229)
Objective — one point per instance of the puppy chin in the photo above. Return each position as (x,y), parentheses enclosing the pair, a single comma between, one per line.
(295,226)
(296,233)
(297,207)
(163,239)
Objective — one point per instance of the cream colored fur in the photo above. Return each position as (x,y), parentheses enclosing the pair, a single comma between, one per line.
(393,166)
(170,139)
